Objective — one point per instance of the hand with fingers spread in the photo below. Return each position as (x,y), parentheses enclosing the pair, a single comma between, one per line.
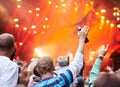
(82,36)
(103,51)
(83,32)
(95,71)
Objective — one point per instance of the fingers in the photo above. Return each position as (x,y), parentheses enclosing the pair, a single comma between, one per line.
(85,29)
(107,46)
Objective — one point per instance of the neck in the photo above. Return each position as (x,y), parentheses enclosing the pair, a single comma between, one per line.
(47,75)
(4,54)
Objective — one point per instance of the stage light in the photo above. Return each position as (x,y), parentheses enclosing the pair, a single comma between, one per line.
(115,8)
(62,0)
(118,18)
(102,17)
(37,9)
(91,3)
(20,43)
(34,32)
(38,52)
(49,2)
(117,14)
(96,13)
(103,11)
(44,26)
(46,19)
(114,14)
(112,25)
(102,21)
(56,6)
(37,14)
(19,0)
(29,11)
(107,21)
(24,28)
(16,19)
(118,25)
(86,5)
(18,6)
(33,26)
(63,5)
(17,25)
(76,9)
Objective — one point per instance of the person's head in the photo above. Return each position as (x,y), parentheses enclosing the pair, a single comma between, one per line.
(33,64)
(20,85)
(62,61)
(78,82)
(107,80)
(24,77)
(7,45)
(20,63)
(117,73)
(45,65)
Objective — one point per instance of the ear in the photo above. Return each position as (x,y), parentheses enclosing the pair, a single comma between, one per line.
(38,70)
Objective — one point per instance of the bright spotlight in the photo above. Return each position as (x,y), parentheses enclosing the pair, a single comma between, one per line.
(103,11)
(38,52)
(118,25)
(16,19)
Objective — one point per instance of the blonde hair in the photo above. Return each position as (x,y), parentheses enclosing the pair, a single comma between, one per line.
(45,64)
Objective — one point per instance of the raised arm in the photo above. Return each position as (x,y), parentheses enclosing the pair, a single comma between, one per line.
(97,65)
(77,64)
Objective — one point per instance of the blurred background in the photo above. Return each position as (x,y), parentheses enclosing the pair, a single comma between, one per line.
(49,27)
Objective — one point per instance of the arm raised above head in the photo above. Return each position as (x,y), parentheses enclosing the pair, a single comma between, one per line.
(77,64)
(95,71)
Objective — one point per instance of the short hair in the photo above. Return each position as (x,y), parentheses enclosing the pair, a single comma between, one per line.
(20,85)
(32,64)
(107,80)
(45,64)
(117,73)
(7,41)
(62,61)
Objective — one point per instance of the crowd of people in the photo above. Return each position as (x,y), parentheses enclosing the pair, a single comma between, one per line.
(42,72)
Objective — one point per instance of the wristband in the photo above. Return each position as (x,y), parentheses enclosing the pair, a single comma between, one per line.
(101,57)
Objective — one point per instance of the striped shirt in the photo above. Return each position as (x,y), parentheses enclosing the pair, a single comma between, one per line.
(62,80)
(66,77)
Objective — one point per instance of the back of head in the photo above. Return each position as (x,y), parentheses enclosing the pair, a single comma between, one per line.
(20,85)
(117,73)
(107,80)
(45,65)
(33,64)
(62,61)
(7,42)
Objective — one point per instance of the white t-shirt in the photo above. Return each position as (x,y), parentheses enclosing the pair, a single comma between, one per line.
(8,72)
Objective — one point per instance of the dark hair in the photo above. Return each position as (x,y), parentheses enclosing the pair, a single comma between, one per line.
(107,80)
(7,42)
(36,72)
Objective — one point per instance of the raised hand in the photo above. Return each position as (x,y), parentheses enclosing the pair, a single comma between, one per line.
(103,50)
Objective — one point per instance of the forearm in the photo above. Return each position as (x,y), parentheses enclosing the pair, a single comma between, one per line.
(95,71)
(76,65)
(81,46)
